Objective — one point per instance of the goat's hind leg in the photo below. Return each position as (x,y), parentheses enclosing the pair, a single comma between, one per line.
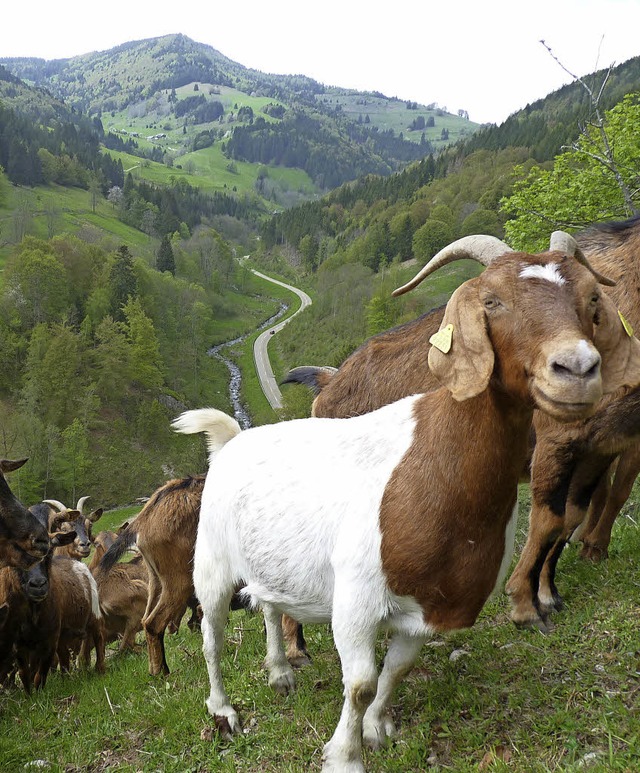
(215,613)
(281,678)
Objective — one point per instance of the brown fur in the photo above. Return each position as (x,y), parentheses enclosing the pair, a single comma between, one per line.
(391,365)
(80,629)
(165,533)
(23,539)
(424,554)
(123,593)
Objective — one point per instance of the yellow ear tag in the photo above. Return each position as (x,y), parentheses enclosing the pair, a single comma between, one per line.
(442,339)
(625,325)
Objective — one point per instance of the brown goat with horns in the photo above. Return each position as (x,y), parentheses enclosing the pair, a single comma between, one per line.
(389,366)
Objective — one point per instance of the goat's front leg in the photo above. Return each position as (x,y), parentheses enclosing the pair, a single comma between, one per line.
(355,639)
(378,726)
(281,677)
(549,598)
(597,533)
(587,479)
(522,588)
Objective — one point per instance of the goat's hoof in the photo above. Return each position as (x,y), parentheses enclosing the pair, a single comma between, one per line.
(376,732)
(338,763)
(594,553)
(533,624)
(282,681)
(299,660)
(225,719)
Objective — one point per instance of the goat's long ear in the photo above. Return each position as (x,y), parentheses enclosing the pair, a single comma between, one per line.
(95,515)
(56,521)
(465,369)
(618,347)
(60,538)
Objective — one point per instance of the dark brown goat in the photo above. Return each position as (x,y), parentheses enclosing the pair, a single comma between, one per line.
(76,520)
(33,615)
(23,539)
(614,249)
(572,465)
(389,366)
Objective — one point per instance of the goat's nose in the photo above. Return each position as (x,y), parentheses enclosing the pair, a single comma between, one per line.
(38,583)
(579,361)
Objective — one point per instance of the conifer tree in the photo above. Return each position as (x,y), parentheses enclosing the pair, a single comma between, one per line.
(165,260)
(122,281)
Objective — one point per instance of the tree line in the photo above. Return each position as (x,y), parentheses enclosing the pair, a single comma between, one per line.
(100,350)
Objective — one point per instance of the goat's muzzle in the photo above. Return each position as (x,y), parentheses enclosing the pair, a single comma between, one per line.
(570,384)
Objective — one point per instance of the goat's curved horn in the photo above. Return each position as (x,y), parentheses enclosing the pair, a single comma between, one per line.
(482,248)
(54,503)
(564,242)
(81,502)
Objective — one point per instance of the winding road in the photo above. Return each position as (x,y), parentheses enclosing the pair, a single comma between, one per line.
(261,357)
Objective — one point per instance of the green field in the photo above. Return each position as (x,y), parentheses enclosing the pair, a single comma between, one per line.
(53,209)
(488,699)
(393,114)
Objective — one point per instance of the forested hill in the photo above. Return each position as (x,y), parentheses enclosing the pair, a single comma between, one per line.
(547,124)
(414,212)
(188,96)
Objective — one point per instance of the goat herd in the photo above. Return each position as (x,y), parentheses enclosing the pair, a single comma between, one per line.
(391,508)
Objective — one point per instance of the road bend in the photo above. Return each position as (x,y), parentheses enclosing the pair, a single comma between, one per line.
(260,355)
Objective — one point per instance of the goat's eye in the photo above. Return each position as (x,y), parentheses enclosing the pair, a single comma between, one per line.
(491,303)
(595,298)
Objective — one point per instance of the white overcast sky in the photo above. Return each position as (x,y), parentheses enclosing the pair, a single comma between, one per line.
(483,57)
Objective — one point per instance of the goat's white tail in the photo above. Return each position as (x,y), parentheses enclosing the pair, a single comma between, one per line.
(218,427)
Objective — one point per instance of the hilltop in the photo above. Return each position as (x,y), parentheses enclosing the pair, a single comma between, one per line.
(170,97)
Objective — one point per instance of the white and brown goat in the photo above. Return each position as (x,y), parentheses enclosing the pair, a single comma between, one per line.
(396,519)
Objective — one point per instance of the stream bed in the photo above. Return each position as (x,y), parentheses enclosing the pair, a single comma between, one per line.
(240,413)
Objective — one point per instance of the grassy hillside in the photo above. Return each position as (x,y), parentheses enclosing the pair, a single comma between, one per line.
(488,699)
(186,95)
(53,209)
(398,115)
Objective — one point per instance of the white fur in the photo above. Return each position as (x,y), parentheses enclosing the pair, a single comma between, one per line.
(550,272)
(293,510)
(286,534)
(89,586)
(509,547)
(226,427)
